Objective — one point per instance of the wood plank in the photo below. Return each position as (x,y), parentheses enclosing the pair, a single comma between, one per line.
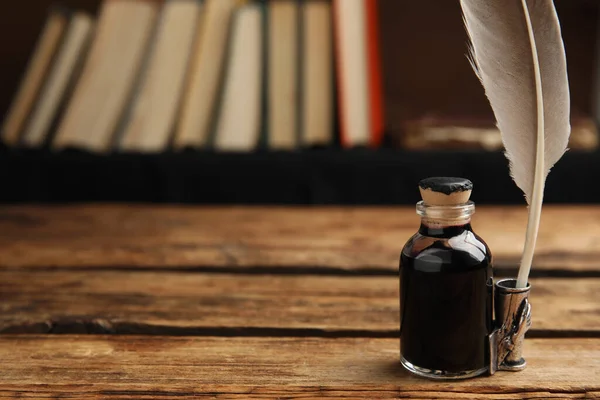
(191,303)
(335,237)
(141,367)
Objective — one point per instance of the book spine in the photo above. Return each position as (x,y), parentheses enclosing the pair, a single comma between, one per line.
(351,66)
(36,72)
(374,71)
(596,74)
(339,73)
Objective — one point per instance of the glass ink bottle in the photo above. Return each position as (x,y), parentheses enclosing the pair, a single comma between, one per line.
(446,287)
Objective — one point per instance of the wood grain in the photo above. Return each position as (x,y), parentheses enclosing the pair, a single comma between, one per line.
(148,302)
(146,270)
(340,238)
(159,367)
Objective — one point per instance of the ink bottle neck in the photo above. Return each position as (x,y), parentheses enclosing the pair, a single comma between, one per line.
(445,220)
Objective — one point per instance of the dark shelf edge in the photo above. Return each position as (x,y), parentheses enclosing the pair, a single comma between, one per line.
(314,176)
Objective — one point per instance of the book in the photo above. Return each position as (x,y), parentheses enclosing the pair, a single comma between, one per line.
(596,72)
(205,79)
(60,80)
(352,72)
(109,75)
(283,74)
(34,76)
(358,67)
(584,133)
(239,120)
(373,56)
(317,74)
(154,111)
(434,132)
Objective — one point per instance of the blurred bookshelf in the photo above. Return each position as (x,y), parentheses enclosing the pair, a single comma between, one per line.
(262,102)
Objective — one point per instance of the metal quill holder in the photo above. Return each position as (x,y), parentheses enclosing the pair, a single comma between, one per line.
(513,320)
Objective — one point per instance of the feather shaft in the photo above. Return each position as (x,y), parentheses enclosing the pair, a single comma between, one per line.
(535,206)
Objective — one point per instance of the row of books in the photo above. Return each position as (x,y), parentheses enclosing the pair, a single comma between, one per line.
(229,75)
(224,74)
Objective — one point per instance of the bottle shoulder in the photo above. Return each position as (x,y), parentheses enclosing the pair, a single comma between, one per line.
(466,246)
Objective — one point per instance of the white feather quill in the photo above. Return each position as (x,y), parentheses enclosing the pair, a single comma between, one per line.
(518,54)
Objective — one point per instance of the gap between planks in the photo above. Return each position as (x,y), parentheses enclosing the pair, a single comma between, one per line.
(135,302)
(500,271)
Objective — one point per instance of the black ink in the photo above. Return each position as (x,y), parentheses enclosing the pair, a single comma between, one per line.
(446,299)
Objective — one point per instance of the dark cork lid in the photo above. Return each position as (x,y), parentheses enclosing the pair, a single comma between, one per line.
(445,190)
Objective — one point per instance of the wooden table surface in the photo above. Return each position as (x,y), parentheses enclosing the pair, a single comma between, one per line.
(140,302)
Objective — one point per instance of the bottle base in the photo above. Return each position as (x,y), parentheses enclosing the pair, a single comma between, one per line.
(441,375)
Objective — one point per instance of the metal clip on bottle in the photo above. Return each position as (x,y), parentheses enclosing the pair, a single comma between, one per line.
(513,320)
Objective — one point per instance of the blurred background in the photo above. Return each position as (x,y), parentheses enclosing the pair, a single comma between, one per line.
(265,102)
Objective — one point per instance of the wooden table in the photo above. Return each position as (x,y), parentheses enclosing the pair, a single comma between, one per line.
(130,302)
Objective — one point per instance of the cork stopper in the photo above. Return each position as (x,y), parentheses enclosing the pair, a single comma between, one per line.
(445,191)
